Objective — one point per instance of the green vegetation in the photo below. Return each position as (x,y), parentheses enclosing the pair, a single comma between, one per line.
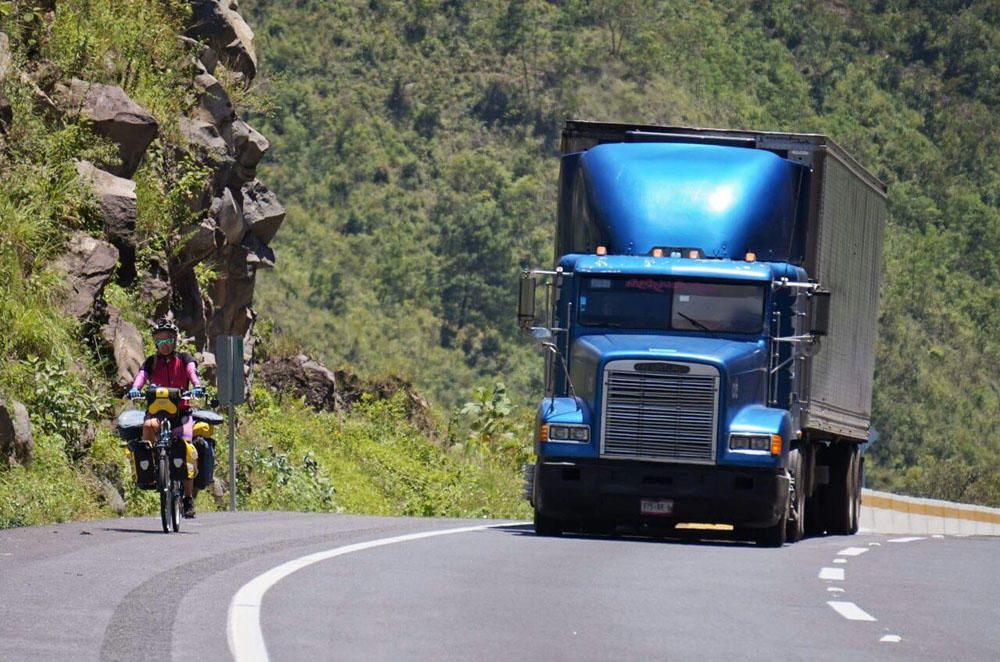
(413,144)
(372,460)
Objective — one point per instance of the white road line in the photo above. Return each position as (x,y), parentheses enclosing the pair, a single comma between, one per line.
(836,574)
(891,638)
(937,535)
(910,539)
(874,544)
(246,640)
(840,560)
(851,611)
(852,551)
(834,589)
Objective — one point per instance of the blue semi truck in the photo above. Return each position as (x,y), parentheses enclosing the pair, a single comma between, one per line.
(709,331)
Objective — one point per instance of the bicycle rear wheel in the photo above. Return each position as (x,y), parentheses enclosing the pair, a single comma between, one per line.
(175,511)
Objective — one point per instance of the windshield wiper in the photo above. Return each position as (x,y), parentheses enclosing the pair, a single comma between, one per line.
(696,323)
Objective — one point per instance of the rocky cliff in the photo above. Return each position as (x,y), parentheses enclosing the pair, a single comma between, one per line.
(232,215)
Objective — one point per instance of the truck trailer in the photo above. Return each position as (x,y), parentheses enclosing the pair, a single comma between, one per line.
(709,329)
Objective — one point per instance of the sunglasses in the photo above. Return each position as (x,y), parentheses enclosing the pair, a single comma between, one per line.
(164,341)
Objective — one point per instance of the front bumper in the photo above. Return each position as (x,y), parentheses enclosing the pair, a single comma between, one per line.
(612,491)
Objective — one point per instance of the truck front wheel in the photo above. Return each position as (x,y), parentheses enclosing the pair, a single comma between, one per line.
(773,536)
(547,526)
(796,527)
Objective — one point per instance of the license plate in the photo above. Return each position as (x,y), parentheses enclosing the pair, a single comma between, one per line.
(656,507)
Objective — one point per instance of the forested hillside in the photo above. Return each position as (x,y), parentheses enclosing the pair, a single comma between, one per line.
(413,144)
(130,192)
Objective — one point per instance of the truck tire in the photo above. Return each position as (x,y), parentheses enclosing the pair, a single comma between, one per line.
(547,526)
(844,491)
(773,536)
(796,527)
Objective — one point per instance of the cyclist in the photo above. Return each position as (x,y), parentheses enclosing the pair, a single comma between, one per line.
(171,369)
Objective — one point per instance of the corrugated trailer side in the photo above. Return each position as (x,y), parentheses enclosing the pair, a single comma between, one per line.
(845,255)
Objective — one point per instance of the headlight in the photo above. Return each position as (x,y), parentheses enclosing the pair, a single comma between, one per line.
(767,443)
(574,433)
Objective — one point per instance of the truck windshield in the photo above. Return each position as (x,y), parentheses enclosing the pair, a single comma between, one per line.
(642,302)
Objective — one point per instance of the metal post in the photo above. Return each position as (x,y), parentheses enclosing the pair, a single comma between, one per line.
(232,458)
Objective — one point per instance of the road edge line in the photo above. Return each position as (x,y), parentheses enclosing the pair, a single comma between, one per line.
(243,631)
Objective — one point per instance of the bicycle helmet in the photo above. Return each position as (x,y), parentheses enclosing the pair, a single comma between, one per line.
(164,324)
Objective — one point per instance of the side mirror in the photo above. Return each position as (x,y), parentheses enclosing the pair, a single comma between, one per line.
(819,313)
(526,301)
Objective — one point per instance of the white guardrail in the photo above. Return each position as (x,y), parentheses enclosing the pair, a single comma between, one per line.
(882,512)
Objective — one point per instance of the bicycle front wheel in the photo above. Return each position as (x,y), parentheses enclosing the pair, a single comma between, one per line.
(164,485)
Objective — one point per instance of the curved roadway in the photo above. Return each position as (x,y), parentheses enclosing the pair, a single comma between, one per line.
(122,590)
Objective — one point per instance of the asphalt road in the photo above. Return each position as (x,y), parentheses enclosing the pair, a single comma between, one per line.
(122,590)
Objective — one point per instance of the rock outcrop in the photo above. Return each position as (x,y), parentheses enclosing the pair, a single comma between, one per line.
(89,265)
(112,114)
(17,445)
(305,377)
(6,67)
(235,217)
(119,208)
(326,390)
(226,33)
(127,346)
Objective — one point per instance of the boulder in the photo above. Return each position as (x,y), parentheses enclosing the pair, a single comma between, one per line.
(225,32)
(116,196)
(6,59)
(249,147)
(205,57)
(127,346)
(89,265)
(232,293)
(6,113)
(111,496)
(262,211)
(200,241)
(259,254)
(418,410)
(306,378)
(213,103)
(115,116)
(190,316)
(6,69)
(229,218)
(208,367)
(205,139)
(17,446)
(208,147)
(155,287)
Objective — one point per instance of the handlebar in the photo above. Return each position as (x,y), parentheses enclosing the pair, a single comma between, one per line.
(152,388)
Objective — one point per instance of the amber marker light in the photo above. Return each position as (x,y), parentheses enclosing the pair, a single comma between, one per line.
(543,432)
(751,257)
(602,250)
(775,444)
(694,254)
(657,252)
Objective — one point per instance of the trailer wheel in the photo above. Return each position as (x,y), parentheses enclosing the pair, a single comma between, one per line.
(547,526)
(844,492)
(796,526)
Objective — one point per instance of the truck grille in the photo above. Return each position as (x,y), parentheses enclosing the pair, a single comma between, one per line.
(667,416)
